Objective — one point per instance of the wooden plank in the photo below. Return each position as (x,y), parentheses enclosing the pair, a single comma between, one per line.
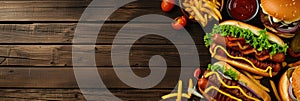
(76,95)
(15,77)
(40,94)
(72,11)
(73,3)
(53,33)
(61,55)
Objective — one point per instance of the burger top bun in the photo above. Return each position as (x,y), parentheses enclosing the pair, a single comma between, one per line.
(296,82)
(286,10)
(254,29)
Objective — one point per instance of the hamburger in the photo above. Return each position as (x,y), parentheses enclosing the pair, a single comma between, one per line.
(246,47)
(221,82)
(281,16)
(289,85)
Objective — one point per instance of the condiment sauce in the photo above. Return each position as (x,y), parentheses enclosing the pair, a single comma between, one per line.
(242,9)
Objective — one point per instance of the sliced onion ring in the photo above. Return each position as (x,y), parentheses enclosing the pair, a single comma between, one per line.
(291,94)
(289,29)
(223,75)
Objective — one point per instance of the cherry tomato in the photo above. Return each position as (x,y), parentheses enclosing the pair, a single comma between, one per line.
(167,5)
(179,23)
(197,73)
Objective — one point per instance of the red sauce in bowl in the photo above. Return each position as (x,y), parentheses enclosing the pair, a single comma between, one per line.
(242,9)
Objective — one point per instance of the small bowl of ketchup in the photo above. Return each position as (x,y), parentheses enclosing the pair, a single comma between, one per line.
(243,10)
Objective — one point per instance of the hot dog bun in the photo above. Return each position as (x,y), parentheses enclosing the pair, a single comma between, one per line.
(242,66)
(242,78)
(272,37)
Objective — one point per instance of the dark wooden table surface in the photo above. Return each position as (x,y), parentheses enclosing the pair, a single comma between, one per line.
(36,49)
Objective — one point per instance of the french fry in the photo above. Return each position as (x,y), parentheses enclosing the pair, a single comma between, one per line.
(196,2)
(199,16)
(186,5)
(200,4)
(210,13)
(179,92)
(188,9)
(192,2)
(209,4)
(193,13)
(190,86)
(174,95)
(206,19)
(217,12)
(275,90)
(218,3)
(197,13)
(257,77)
(203,10)
(203,23)
(214,1)
(197,19)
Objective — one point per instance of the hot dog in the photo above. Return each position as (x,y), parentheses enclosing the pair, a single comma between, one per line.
(247,47)
(221,82)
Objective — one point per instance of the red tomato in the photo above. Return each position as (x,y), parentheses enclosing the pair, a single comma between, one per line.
(167,5)
(179,23)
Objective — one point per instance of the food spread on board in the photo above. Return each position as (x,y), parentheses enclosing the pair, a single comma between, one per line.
(255,48)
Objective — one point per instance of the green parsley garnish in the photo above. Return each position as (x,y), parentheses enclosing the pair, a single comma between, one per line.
(228,72)
(260,42)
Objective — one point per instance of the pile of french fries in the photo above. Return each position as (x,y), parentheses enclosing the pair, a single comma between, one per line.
(203,10)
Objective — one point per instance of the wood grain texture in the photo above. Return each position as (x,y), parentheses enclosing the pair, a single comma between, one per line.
(34,10)
(76,95)
(39,77)
(61,55)
(36,49)
(63,33)
(41,94)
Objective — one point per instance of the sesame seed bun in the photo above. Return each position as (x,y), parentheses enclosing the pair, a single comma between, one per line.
(286,10)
